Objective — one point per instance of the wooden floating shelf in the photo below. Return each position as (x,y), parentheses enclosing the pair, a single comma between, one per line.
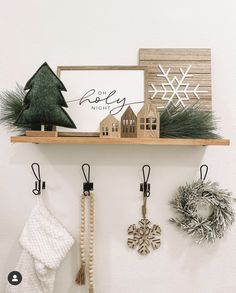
(119,141)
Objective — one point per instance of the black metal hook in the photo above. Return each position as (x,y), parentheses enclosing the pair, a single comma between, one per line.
(38,186)
(145,186)
(201,172)
(87,186)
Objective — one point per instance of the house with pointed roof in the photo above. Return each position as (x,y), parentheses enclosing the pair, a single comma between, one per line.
(110,127)
(129,123)
(148,121)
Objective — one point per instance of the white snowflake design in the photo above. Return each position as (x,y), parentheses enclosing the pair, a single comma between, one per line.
(175,91)
(144,236)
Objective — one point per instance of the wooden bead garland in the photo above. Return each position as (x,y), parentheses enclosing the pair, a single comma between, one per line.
(81,277)
(91,244)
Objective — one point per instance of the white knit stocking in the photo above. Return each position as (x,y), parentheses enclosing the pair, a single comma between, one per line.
(45,243)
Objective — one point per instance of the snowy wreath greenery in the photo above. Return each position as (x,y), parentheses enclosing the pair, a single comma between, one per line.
(186,203)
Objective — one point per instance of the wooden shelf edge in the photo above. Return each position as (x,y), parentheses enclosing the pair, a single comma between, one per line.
(132,141)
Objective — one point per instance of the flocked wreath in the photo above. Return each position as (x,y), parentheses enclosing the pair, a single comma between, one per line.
(187,201)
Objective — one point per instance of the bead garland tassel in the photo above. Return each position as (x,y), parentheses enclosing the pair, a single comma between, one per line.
(81,277)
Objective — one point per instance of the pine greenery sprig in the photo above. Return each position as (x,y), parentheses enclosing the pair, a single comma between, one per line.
(187,123)
(11,104)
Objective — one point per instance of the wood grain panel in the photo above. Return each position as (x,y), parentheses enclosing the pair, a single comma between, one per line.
(117,141)
(175,54)
(159,61)
(198,67)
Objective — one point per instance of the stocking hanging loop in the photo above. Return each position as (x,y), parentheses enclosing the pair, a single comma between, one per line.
(39,184)
(203,177)
(87,186)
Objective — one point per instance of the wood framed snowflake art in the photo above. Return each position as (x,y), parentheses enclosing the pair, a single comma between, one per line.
(180,77)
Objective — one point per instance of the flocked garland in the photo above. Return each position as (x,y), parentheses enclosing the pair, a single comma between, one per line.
(186,204)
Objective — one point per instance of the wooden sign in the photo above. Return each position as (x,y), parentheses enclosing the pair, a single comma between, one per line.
(94,92)
(180,77)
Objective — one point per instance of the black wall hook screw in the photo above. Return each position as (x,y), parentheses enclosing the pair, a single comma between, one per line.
(203,177)
(145,186)
(39,184)
(87,186)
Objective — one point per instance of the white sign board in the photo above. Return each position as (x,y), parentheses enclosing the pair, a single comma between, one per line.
(94,92)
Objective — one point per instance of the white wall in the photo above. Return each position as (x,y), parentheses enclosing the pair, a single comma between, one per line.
(108,32)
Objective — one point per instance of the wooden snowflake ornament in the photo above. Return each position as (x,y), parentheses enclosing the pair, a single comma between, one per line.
(144,236)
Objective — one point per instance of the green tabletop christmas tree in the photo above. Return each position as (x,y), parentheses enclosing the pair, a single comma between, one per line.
(44,101)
